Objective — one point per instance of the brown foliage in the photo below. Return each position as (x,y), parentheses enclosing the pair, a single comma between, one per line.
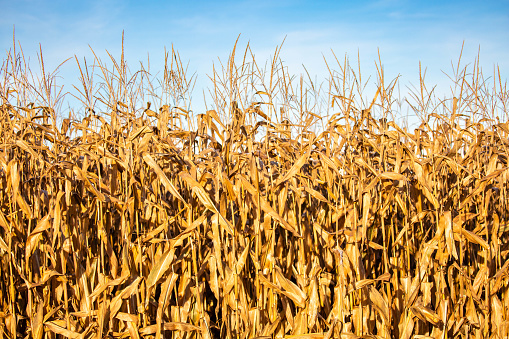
(134,223)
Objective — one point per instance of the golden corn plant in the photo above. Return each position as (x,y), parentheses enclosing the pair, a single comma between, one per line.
(289,209)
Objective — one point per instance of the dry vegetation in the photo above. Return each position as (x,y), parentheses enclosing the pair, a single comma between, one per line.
(290,210)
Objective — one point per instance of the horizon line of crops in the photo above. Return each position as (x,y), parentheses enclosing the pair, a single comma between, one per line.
(290,210)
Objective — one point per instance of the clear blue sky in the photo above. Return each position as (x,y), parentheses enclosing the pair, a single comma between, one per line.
(405,32)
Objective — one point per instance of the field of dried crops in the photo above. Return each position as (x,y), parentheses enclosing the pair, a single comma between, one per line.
(290,210)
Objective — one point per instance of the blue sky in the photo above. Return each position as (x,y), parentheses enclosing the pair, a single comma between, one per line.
(405,32)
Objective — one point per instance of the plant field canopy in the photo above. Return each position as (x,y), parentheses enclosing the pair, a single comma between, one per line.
(290,210)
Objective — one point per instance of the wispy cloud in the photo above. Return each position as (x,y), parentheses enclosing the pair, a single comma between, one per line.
(405,32)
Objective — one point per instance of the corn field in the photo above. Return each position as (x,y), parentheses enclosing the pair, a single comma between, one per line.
(288,209)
